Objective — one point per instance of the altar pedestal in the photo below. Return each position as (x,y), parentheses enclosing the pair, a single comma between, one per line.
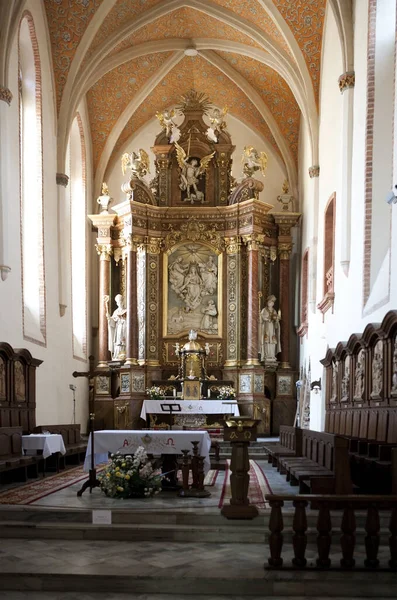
(240,432)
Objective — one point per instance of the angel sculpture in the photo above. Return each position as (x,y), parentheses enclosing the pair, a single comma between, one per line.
(217,124)
(190,173)
(171,129)
(253,161)
(138,162)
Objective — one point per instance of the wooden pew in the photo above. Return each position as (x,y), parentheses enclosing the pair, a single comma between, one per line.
(13,465)
(323,466)
(290,444)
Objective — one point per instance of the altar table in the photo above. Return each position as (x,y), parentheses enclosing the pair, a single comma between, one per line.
(49,443)
(192,407)
(154,442)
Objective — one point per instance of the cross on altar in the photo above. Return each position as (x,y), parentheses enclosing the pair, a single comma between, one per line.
(92,481)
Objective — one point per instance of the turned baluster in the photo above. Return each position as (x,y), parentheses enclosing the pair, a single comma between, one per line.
(393,539)
(276,526)
(185,473)
(372,527)
(299,539)
(324,528)
(348,537)
(195,465)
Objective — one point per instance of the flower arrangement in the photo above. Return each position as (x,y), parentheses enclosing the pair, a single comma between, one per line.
(155,392)
(130,476)
(226,391)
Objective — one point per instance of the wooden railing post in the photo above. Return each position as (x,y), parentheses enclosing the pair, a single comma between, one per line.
(299,539)
(372,527)
(393,539)
(348,537)
(276,526)
(324,528)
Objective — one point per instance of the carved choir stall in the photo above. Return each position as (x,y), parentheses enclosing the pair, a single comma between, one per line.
(194,250)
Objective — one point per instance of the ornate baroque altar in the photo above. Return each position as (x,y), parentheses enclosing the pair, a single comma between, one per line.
(193,250)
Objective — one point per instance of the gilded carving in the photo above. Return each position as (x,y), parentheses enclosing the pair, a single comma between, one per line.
(104,251)
(284,250)
(195,231)
(232,298)
(314,171)
(346,81)
(141,301)
(153,312)
(253,241)
(5,94)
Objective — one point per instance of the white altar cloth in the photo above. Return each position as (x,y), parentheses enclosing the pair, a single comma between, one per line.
(193,407)
(154,442)
(49,443)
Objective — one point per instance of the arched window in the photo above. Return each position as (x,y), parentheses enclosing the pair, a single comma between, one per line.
(78,212)
(304,324)
(329,256)
(31,185)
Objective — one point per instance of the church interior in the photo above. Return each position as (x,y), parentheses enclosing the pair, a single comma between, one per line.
(198,299)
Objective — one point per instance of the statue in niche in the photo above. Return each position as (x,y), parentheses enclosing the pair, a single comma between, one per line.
(2,379)
(270,331)
(117,327)
(346,380)
(334,385)
(209,313)
(191,171)
(359,377)
(19,382)
(394,371)
(377,370)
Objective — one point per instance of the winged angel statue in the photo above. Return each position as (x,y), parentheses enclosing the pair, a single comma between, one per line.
(138,162)
(218,123)
(191,171)
(171,129)
(253,161)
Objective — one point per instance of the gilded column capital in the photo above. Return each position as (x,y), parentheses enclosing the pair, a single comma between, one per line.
(347,80)
(314,171)
(232,245)
(117,254)
(104,251)
(284,250)
(5,94)
(153,245)
(62,179)
(253,241)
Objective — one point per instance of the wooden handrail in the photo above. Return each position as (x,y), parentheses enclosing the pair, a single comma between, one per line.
(324,504)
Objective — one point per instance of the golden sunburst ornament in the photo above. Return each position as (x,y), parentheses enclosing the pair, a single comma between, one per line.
(194,100)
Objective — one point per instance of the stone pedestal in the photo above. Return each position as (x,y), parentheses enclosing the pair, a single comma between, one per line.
(240,432)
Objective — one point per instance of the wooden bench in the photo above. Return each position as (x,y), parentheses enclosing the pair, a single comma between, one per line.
(290,444)
(75,446)
(323,466)
(13,465)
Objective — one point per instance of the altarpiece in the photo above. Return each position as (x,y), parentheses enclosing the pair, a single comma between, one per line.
(193,250)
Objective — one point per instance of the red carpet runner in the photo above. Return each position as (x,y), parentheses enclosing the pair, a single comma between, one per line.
(258,486)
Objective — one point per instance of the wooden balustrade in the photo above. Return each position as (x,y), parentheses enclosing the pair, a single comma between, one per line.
(347,542)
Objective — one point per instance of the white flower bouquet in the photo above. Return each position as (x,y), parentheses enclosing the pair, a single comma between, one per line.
(155,392)
(130,476)
(226,392)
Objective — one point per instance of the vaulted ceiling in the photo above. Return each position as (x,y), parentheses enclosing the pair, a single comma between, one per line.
(126,57)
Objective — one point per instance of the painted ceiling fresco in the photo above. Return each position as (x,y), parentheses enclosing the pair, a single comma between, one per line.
(184,23)
(70,20)
(274,92)
(112,93)
(197,73)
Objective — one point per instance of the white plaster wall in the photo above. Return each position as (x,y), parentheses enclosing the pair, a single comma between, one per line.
(241,135)
(54,399)
(348,316)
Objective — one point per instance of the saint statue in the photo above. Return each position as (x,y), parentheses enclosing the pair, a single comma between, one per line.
(177,272)
(345,380)
(117,327)
(270,331)
(166,119)
(377,370)
(253,161)
(191,171)
(218,124)
(208,272)
(192,287)
(208,322)
(138,162)
(359,377)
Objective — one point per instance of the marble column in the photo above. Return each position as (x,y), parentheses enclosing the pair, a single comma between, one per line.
(104,251)
(252,324)
(132,306)
(62,181)
(6,97)
(346,86)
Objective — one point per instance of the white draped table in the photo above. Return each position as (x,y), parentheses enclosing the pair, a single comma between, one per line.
(154,442)
(192,407)
(49,443)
